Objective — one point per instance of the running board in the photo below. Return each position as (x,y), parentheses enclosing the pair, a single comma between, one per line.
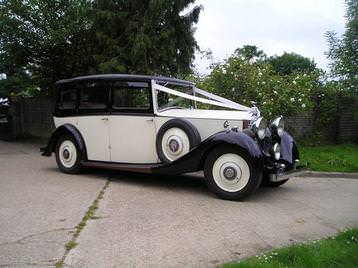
(140,168)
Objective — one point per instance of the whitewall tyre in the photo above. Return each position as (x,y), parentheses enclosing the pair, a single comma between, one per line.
(230,173)
(68,156)
(175,139)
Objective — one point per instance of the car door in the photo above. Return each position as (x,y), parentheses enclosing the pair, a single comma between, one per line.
(132,129)
(93,119)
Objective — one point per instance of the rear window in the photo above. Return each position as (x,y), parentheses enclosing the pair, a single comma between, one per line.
(94,95)
(67,97)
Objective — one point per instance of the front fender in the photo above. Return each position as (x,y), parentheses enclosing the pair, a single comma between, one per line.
(195,159)
(61,130)
(289,151)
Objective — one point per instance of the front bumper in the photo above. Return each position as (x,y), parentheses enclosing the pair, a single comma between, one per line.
(288,174)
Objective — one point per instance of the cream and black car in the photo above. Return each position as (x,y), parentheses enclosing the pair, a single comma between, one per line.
(163,125)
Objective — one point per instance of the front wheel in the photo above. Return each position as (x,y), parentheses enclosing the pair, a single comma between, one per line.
(230,174)
(68,156)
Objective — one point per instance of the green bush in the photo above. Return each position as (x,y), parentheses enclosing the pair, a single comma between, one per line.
(244,79)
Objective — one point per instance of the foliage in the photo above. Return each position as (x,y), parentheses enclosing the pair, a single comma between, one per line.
(337,251)
(343,52)
(250,53)
(42,41)
(244,78)
(332,158)
(149,37)
(289,63)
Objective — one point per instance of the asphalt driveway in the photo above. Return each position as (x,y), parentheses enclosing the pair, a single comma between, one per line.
(146,221)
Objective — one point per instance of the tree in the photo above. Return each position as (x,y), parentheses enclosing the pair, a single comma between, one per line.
(144,36)
(343,52)
(42,41)
(250,53)
(289,63)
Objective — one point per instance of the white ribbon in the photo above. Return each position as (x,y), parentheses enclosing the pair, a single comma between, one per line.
(215,100)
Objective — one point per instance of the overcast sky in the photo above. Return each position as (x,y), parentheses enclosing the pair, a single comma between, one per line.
(274,26)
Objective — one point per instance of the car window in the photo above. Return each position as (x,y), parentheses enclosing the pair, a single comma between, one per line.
(131,95)
(67,97)
(94,95)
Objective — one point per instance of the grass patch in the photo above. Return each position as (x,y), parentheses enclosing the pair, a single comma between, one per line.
(70,245)
(90,214)
(337,251)
(332,158)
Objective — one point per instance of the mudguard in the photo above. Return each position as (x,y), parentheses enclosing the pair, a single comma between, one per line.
(65,129)
(289,151)
(194,160)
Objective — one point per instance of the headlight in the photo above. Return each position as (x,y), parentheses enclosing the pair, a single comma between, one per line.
(277,151)
(278,125)
(259,127)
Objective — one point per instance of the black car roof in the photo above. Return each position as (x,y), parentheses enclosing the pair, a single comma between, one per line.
(132,77)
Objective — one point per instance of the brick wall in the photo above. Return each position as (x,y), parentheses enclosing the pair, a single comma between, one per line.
(348,121)
(32,117)
(300,126)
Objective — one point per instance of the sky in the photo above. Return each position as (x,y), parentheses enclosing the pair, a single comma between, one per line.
(275,26)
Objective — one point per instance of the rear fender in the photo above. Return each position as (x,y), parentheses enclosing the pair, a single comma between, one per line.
(65,129)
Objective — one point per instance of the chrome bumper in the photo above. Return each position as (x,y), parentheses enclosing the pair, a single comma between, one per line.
(289,174)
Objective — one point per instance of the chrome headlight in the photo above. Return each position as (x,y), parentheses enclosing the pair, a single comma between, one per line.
(278,126)
(259,127)
(277,151)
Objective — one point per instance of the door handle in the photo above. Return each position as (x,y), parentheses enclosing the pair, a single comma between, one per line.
(149,120)
(104,119)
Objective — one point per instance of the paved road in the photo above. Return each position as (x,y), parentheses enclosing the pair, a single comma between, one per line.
(147,221)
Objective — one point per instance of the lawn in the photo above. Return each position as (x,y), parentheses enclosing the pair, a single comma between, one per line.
(338,251)
(338,158)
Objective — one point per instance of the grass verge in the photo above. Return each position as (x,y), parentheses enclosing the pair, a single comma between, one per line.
(331,158)
(90,215)
(336,251)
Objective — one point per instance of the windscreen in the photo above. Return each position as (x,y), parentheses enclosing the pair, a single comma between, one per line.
(168,101)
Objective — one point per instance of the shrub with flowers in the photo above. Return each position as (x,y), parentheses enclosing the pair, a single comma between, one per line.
(245,80)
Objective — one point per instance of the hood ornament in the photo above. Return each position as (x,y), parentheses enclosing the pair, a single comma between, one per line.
(254,111)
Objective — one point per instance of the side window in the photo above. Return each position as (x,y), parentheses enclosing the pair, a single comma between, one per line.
(67,97)
(134,96)
(94,96)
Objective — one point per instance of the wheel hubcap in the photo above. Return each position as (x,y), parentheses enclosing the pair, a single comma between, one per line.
(231,172)
(67,154)
(175,143)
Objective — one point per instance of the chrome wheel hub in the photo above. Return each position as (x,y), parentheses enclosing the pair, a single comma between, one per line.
(230,173)
(66,154)
(174,145)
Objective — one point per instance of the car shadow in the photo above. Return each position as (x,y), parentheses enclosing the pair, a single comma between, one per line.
(187,182)
(193,183)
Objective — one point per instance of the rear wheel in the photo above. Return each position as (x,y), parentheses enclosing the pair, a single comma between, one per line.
(230,174)
(68,156)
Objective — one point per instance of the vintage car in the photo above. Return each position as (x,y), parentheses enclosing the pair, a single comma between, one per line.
(159,125)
